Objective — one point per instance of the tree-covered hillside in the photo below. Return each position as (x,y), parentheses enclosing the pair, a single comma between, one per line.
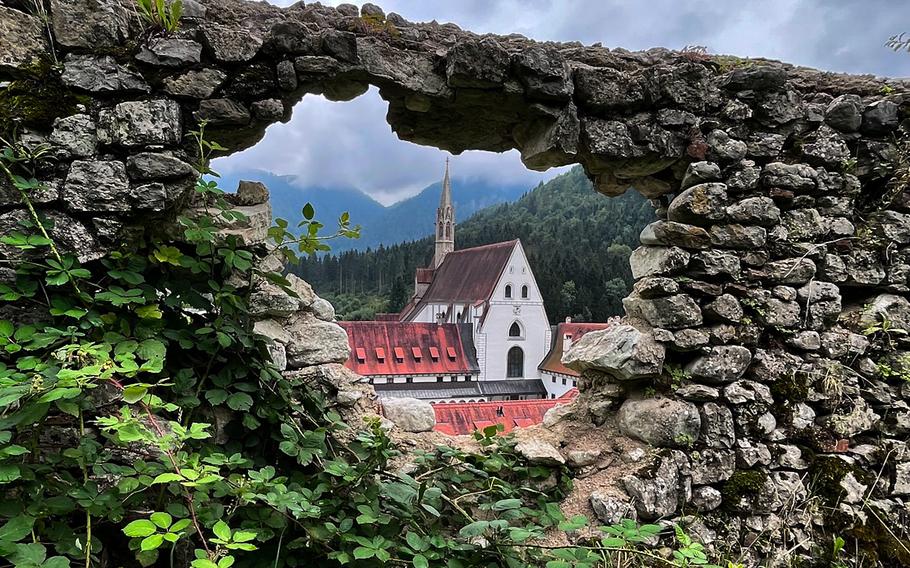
(578,243)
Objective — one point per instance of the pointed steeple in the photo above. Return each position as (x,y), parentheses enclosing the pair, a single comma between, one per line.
(445,221)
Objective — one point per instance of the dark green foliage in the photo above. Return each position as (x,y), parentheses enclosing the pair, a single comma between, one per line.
(743,483)
(578,243)
(36,98)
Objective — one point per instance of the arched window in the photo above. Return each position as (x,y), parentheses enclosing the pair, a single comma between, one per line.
(524,291)
(515,330)
(515,363)
(508,290)
(440,231)
(448,230)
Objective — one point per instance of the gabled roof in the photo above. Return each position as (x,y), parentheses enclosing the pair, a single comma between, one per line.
(466,276)
(407,348)
(464,418)
(552,363)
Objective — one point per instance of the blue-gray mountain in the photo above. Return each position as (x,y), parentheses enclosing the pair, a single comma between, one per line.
(407,220)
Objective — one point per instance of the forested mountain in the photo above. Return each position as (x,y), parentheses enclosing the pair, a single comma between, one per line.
(406,220)
(578,243)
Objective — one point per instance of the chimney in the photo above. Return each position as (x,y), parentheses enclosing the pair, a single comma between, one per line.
(568,319)
(566,342)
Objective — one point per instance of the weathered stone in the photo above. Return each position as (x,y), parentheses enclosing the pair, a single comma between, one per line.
(700,204)
(315,342)
(715,263)
(99,74)
(538,451)
(828,148)
(741,392)
(689,339)
(90,24)
(669,312)
(95,186)
(722,364)
(724,308)
(738,236)
(69,234)
(805,340)
(623,352)
(750,454)
(655,495)
(22,39)
(154,165)
(544,74)
(410,414)
(803,224)
(656,287)
(170,52)
(670,233)
(223,112)
(610,510)
(796,177)
(698,173)
(74,136)
(755,210)
(790,457)
(845,113)
(582,458)
(863,267)
(706,498)
(724,148)
(880,117)
(712,466)
(901,479)
(478,64)
(790,271)
(659,421)
(268,299)
(268,109)
(652,261)
(744,178)
(698,393)
(765,144)
(141,123)
(887,307)
(195,84)
(717,427)
(891,225)
(229,45)
(251,193)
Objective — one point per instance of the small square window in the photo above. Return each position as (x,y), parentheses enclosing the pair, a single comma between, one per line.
(563,381)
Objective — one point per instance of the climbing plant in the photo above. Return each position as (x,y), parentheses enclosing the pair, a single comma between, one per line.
(140,417)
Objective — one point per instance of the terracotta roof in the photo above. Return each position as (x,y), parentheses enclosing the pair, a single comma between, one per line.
(458,418)
(465,276)
(552,363)
(424,275)
(461,389)
(388,348)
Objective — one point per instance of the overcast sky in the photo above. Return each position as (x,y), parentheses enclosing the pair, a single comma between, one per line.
(349,144)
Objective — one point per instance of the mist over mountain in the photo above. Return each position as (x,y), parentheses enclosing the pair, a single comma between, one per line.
(406,220)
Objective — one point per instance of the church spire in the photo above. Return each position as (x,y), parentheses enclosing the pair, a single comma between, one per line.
(445,221)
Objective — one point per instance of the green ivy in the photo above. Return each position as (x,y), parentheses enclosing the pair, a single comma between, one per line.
(112,374)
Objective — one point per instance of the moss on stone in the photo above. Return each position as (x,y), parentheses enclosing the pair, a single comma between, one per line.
(826,473)
(791,389)
(36,98)
(743,483)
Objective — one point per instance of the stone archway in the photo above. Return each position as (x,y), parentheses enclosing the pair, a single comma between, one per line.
(774,216)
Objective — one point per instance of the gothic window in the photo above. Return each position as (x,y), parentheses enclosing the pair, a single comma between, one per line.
(515,330)
(508,290)
(440,230)
(524,291)
(515,363)
(448,230)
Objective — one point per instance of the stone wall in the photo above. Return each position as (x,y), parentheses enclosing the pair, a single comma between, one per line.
(765,352)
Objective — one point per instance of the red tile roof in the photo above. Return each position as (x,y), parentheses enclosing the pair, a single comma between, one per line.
(552,363)
(465,276)
(376,340)
(464,418)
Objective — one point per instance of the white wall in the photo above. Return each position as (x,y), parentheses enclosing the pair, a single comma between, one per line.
(554,384)
(531,316)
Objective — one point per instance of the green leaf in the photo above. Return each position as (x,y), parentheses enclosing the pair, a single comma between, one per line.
(16,528)
(139,528)
(362,552)
(151,542)
(222,530)
(150,311)
(243,536)
(507,504)
(163,520)
(240,401)
(151,349)
(134,393)
(9,472)
(420,561)
(476,528)
(308,211)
